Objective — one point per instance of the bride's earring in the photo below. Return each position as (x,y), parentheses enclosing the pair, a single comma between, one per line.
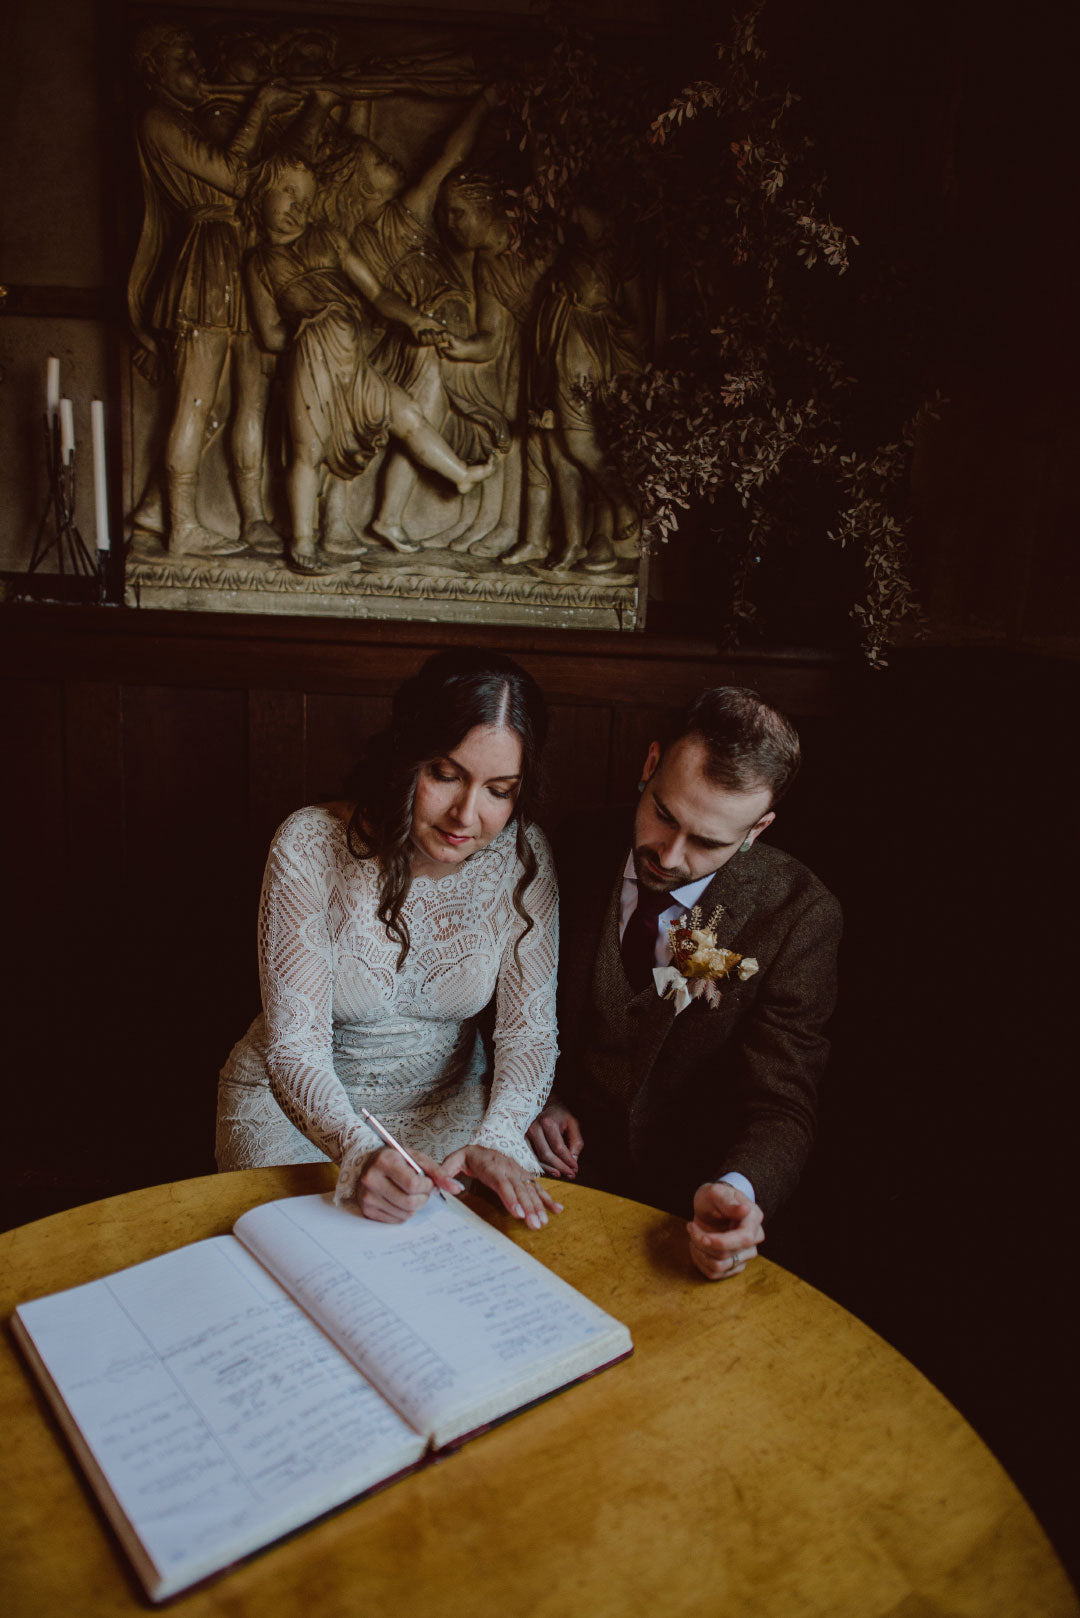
(747,844)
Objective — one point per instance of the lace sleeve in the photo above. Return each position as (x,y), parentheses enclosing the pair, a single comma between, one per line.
(296,972)
(526,1043)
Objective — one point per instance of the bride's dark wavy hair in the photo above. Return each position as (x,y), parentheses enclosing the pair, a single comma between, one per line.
(454,692)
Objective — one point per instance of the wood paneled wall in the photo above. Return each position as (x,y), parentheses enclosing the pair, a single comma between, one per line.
(151,757)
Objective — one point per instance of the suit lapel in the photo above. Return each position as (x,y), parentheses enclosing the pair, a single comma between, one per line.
(643,1019)
(733,888)
(611,970)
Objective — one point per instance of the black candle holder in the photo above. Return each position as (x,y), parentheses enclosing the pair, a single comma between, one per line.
(78,575)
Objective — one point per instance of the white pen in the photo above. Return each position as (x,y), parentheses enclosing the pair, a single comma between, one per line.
(382,1131)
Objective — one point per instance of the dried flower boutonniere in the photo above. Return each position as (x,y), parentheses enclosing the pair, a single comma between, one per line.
(698,962)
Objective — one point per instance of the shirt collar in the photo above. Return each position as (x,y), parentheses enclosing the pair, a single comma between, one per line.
(691,893)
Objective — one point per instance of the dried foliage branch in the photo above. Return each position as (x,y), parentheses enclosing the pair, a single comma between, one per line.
(747,408)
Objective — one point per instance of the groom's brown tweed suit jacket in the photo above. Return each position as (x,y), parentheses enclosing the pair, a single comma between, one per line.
(667,1102)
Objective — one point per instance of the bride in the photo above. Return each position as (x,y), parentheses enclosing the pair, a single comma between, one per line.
(385,929)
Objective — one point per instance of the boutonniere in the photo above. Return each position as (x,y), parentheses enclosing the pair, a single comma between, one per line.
(698,963)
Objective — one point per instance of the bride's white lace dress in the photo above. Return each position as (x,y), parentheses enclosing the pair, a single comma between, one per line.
(342,1028)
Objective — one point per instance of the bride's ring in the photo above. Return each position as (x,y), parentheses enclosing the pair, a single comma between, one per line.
(736,1258)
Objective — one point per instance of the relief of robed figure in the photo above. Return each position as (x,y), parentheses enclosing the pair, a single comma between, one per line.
(488,360)
(589,326)
(310,297)
(390,222)
(185,292)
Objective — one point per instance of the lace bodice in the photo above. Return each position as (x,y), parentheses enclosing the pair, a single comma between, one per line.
(342,1021)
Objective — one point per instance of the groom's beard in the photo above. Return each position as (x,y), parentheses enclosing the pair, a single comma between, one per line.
(649,874)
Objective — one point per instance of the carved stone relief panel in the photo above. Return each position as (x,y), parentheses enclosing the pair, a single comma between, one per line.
(360,381)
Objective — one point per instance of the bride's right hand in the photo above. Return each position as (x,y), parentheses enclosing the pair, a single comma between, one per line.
(390,1191)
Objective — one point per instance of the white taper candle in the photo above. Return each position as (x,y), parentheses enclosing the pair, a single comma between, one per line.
(67,431)
(101,493)
(52,387)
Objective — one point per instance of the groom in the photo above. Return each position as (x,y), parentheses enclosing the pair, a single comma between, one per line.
(694,1088)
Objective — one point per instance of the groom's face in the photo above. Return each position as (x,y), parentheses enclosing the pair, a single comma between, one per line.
(686,826)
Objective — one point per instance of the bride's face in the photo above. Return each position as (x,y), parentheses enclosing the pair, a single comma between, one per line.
(464,799)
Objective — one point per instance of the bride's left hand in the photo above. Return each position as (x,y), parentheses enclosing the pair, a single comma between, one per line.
(518,1192)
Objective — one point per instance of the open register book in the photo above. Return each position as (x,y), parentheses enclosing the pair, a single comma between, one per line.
(225,1394)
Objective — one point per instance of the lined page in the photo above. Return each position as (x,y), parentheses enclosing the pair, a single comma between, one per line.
(220,1415)
(453,1322)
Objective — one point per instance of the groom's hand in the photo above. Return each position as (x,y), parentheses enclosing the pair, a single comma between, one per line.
(556,1139)
(725,1230)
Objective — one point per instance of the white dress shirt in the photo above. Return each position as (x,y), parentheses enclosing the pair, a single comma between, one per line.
(682,900)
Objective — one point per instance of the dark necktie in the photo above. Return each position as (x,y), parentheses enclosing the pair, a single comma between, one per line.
(639,939)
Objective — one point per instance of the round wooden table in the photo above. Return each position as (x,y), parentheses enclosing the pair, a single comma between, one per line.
(763,1454)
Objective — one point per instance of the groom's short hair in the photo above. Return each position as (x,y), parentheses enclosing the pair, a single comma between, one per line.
(748,745)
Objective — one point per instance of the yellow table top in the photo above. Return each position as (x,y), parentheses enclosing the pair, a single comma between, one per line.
(763,1454)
